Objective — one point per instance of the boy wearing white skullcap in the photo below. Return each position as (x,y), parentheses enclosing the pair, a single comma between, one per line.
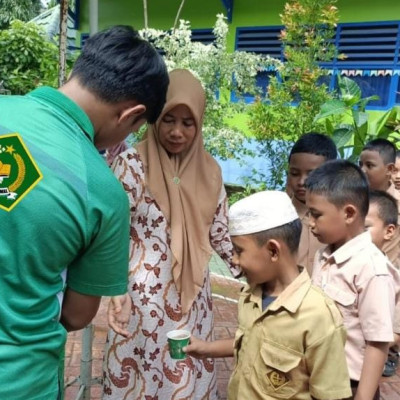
(290,340)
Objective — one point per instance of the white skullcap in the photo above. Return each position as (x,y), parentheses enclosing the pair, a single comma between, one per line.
(261,211)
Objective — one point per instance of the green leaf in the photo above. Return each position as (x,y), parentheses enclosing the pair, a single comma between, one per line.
(331,107)
(342,136)
(362,134)
(329,126)
(363,102)
(354,157)
(377,125)
(360,118)
(394,135)
(349,90)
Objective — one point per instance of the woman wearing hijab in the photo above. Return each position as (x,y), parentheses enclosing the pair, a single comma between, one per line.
(178,215)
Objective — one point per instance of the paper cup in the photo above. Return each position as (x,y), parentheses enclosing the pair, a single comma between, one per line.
(177,340)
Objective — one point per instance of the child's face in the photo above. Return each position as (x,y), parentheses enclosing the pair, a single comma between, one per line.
(327,222)
(378,174)
(253,259)
(396,174)
(380,233)
(300,166)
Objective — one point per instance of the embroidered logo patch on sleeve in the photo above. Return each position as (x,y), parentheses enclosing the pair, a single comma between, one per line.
(18,171)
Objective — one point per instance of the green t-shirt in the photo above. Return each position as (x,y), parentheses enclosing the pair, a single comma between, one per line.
(63,216)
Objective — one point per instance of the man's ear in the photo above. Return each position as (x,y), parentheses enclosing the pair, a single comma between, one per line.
(350,213)
(390,231)
(131,114)
(274,249)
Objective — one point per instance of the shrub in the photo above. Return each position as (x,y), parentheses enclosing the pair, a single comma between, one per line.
(27,58)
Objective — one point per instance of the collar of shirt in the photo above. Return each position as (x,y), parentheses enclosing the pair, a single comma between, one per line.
(61,102)
(345,252)
(290,299)
(300,207)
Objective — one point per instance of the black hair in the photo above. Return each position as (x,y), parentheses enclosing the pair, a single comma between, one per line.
(387,206)
(288,233)
(341,182)
(118,65)
(386,149)
(397,153)
(317,144)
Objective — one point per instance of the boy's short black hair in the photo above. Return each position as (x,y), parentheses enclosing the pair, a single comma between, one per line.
(386,149)
(317,144)
(288,233)
(341,182)
(397,153)
(118,65)
(386,205)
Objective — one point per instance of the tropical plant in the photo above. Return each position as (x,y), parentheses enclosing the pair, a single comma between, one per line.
(235,193)
(296,92)
(23,10)
(27,58)
(350,126)
(220,72)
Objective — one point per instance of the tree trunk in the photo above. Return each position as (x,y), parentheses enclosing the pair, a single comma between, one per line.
(178,14)
(63,42)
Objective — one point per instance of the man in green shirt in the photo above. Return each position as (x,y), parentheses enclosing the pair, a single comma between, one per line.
(64,218)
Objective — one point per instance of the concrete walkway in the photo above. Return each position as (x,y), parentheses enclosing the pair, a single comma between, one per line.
(225,311)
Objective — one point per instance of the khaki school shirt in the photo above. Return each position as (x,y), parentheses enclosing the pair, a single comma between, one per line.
(392,247)
(356,277)
(294,349)
(395,273)
(309,244)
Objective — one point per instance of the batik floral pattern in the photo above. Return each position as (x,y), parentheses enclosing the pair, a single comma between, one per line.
(140,367)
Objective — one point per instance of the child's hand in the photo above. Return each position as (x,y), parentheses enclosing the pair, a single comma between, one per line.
(197,348)
(119,313)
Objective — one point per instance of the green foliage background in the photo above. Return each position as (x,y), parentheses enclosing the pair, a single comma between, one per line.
(23,10)
(27,58)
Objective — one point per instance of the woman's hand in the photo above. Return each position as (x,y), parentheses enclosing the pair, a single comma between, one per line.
(119,313)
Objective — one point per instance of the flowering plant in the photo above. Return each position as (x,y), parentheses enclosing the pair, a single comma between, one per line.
(298,89)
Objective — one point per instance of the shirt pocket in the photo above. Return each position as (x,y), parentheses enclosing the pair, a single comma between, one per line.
(276,371)
(346,301)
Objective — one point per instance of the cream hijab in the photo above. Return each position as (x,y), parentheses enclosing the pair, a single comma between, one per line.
(186,187)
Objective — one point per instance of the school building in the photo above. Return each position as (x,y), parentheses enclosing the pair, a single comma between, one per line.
(368,33)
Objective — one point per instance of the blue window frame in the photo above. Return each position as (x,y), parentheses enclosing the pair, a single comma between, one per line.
(84,37)
(397,100)
(262,81)
(228,4)
(74,9)
(205,36)
(372,50)
(260,39)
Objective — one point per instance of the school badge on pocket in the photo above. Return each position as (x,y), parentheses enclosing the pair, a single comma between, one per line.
(18,171)
(277,379)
